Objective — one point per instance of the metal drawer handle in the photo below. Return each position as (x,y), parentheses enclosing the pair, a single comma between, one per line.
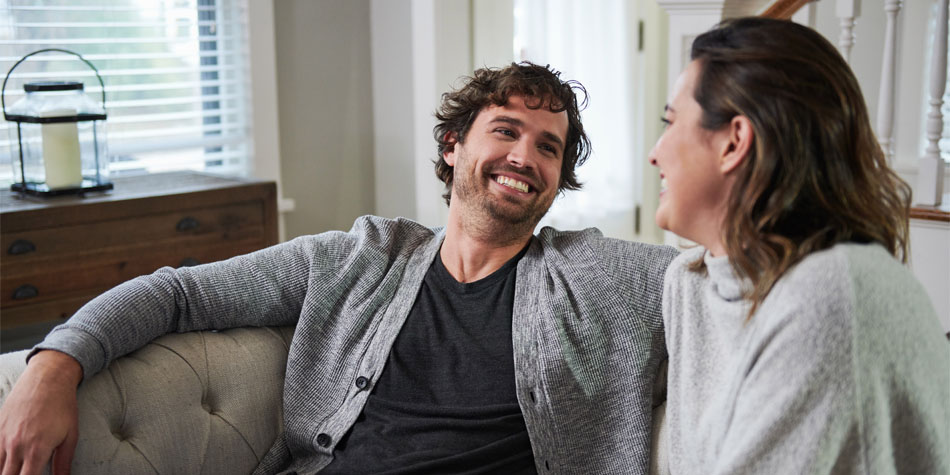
(26,291)
(187,224)
(20,246)
(188,262)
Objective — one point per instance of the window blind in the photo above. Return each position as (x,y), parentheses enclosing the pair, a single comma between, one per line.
(175,75)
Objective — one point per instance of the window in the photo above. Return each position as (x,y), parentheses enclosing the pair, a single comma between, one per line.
(175,75)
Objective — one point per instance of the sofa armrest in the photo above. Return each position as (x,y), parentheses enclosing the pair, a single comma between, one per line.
(200,402)
(12,366)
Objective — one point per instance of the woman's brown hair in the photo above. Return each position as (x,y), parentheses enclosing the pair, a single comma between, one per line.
(815,175)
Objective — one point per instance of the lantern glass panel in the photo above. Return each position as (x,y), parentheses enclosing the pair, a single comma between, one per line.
(59,139)
(91,146)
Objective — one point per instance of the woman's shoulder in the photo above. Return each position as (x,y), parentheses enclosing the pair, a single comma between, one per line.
(848,271)
(851,284)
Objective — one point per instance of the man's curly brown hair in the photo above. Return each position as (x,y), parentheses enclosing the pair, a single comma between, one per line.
(541,86)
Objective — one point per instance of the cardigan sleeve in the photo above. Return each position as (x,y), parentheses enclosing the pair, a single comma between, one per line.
(263,288)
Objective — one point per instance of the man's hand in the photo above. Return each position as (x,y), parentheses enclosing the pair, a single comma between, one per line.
(40,416)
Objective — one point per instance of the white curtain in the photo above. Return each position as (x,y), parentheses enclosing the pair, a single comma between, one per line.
(590,41)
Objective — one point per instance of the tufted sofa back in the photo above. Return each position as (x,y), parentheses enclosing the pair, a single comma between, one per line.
(201,402)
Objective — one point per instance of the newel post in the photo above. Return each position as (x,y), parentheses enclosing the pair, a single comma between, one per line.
(930,168)
(885,102)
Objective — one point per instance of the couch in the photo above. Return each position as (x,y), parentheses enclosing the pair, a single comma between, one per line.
(200,402)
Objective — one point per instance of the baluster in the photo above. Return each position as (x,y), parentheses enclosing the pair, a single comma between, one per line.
(930,167)
(807,15)
(885,102)
(847,11)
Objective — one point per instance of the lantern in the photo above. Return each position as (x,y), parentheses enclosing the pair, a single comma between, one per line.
(58,145)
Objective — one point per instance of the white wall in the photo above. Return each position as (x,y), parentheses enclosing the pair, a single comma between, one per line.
(650,97)
(930,261)
(325,111)
(493,31)
(391,40)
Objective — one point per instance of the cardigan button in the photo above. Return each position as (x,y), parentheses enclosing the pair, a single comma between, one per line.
(362,382)
(324,440)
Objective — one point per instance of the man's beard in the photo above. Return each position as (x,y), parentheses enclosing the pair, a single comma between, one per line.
(509,215)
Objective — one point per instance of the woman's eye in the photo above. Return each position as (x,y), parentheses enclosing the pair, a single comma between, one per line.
(666,122)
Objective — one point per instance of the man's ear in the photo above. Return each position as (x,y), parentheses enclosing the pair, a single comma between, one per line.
(448,153)
(736,149)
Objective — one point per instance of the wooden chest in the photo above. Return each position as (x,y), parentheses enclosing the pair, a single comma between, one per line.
(59,253)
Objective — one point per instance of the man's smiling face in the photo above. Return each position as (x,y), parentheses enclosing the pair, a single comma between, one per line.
(509,167)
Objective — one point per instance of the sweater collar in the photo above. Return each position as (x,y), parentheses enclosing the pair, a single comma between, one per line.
(726,283)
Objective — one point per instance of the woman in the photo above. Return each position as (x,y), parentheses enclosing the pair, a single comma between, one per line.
(798,341)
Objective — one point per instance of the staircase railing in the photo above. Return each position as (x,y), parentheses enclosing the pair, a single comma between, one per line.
(928,194)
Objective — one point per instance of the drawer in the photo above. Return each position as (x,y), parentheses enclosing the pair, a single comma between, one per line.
(60,253)
(224,223)
(52,310)
(89,275)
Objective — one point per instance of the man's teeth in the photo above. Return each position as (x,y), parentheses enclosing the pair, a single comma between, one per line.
(662,183)
(512,183)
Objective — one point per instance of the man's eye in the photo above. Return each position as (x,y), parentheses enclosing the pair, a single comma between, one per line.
(666,122)
(548,148)
(505,132)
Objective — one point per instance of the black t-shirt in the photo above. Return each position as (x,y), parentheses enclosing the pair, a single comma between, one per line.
(445,402)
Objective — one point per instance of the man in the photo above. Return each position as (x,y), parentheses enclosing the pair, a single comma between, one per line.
(479,347)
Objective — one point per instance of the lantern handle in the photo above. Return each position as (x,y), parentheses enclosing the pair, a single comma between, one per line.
(3,90)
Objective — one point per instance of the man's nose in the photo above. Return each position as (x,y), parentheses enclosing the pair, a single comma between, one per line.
(519,154)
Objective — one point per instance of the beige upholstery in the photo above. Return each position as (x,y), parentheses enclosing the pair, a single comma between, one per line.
(202,402)
(199,402)
(11,365)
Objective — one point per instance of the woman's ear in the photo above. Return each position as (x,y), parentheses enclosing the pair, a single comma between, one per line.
(448,153)
(739,144)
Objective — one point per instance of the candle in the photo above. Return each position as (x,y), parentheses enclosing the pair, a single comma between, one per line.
(61,151)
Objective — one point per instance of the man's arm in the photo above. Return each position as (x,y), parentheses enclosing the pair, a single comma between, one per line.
(267,287)
(264,288)
(639,269)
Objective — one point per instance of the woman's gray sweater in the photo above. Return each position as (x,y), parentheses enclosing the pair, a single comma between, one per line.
(843,369)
